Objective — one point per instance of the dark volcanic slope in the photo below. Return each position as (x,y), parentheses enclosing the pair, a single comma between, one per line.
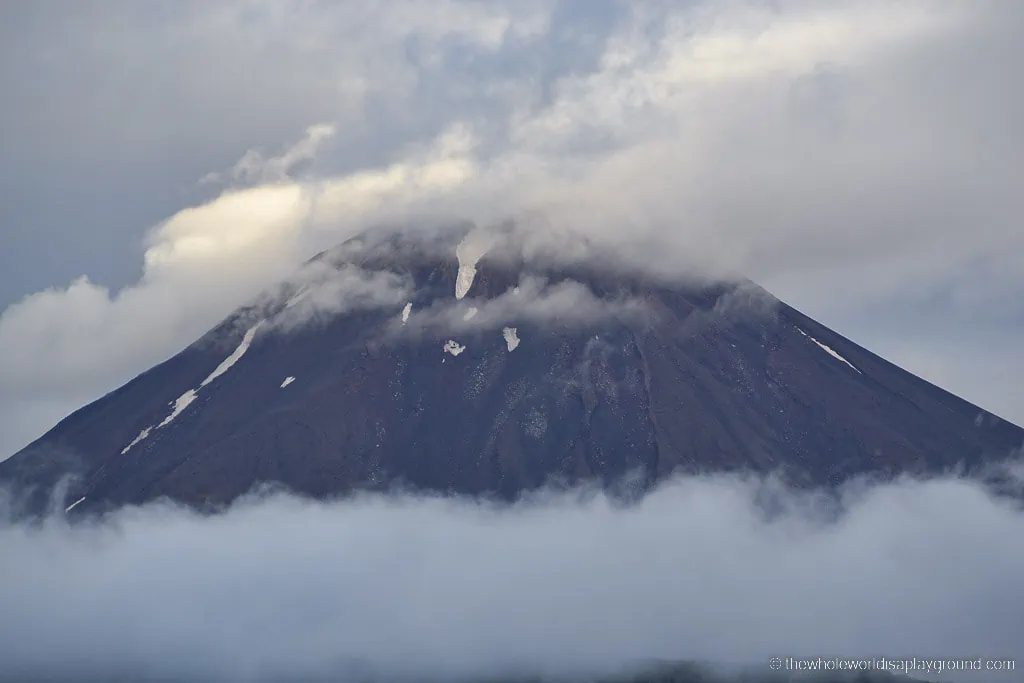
(697,378)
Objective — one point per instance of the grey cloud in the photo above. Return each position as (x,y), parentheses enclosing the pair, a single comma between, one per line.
(321,291)
(746,299)
(563,582)
(254,169)
(533,301)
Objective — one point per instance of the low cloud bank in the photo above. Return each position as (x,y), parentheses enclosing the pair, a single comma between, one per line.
(436,587)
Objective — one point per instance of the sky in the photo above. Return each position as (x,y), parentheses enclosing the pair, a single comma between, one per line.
(163,162)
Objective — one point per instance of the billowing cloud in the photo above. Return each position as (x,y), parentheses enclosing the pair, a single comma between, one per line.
(715,568)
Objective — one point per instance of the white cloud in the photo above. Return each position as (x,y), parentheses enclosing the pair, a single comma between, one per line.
(713,568)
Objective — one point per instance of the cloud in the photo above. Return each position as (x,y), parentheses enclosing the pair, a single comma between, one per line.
(716,568)
(533,300)
(200,265)
(841,154)
(253,169)
(322,291)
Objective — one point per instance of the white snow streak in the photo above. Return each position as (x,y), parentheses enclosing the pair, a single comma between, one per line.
(470,313)
(235,355)
(186,399)
(511,338)
(828,350)
(469,251)
(182,402)
(464,280)
(453,347)
(287,381)
(405,312)
(142,435)
(69,508)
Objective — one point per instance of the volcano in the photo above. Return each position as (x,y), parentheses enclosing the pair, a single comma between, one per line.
(464,362)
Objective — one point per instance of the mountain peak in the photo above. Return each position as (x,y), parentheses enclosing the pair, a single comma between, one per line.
(487,361)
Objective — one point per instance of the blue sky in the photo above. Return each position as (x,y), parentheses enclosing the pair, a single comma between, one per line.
(161,162)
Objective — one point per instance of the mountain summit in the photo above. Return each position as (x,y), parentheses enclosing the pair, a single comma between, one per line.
(474,362)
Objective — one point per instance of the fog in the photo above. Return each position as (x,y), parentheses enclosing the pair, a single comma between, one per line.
(560,582)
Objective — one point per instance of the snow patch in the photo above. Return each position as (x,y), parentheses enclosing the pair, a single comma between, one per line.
(468,252)
(186,399)
(142,435)
(287,381)
(470,313)
(828,350)
(453,347)
(406,312)
(69,508)
(182,402)
(235,356)
(464,280)
(511,337)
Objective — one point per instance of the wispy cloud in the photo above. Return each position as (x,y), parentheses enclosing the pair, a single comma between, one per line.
(254,169)
(322,291)
(533,300)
